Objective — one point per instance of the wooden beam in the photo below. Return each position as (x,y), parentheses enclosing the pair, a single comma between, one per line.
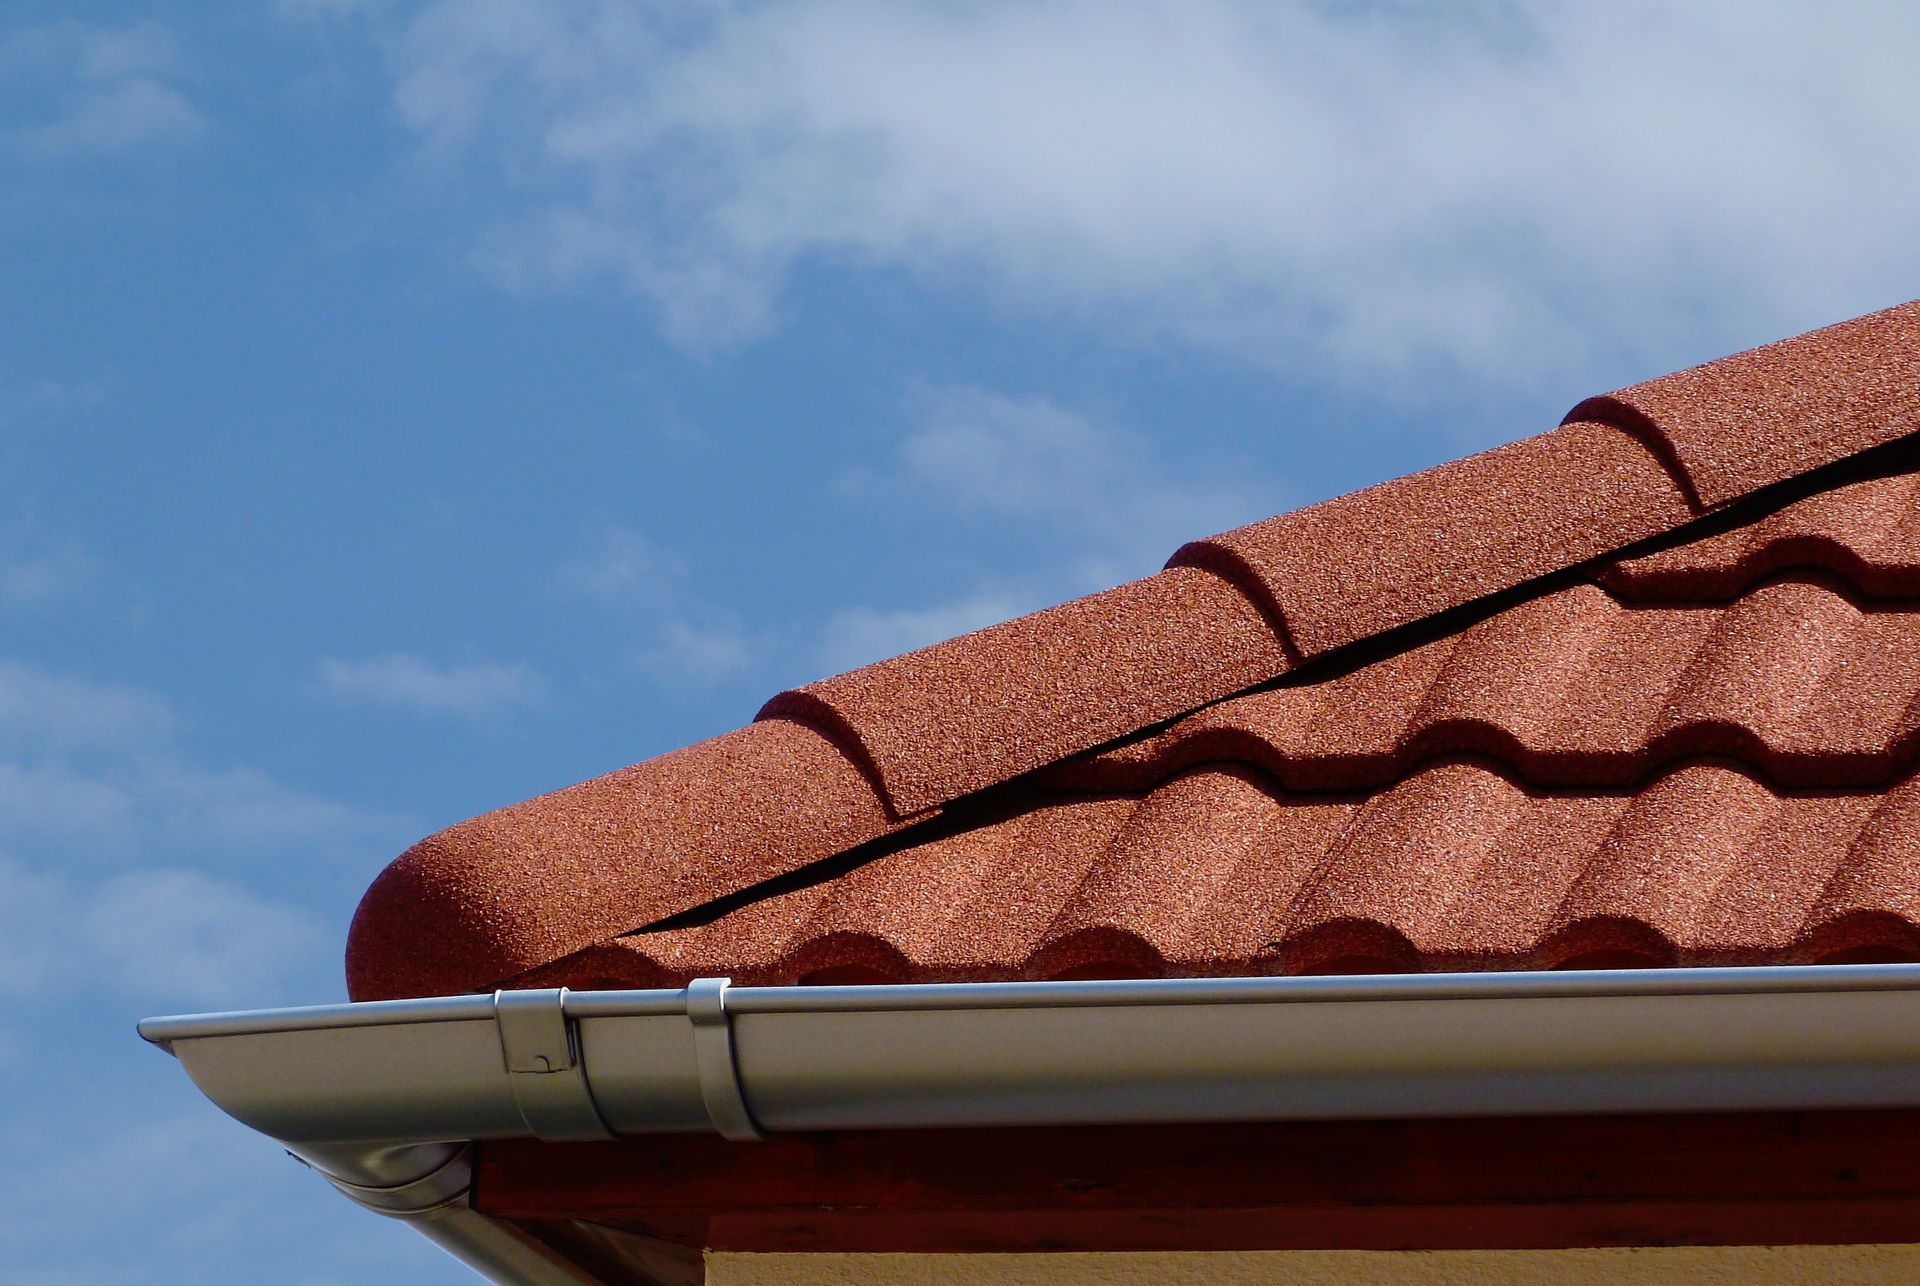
(1752,1178)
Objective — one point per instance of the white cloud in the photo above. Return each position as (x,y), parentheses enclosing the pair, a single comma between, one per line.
(630,574)
(108,830)
(57,711)
(1339,192)
(855,636)
(105,811)
(35,571)
(195,1197)
(92,770)
(683,649)
(1100,497)
(180,933)
(413,683)
(109,89)
(244,810)
(622,567)
(39,566)
(174,934)
(181,1176)
(52,803)
(1101,487)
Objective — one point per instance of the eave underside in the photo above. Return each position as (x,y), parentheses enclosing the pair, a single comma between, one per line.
(1821,1178)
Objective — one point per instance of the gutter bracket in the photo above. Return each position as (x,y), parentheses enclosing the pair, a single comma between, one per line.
(713,1057)
(544,1068)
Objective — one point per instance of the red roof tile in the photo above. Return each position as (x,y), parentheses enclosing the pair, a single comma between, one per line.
(1353,567)
(1769,414)
(1529,709)
(1797,679)
(1867,532)
(1457,865)
(977,710)
(521,886)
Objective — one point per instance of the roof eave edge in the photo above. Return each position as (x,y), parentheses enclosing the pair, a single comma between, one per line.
(382,1097)
(560,1064)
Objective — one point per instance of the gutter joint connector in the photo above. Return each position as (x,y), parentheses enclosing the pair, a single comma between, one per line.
(541,1049)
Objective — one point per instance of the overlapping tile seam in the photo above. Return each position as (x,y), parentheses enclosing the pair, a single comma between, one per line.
(1854,887)
(1806,680)
(939,724)
(1788,534)
(1859,517)
(537,880)
(1704,865)
(1889,804)
(1746,750)
(600,916)
(1457,863)
(1747,421)
(1439,737)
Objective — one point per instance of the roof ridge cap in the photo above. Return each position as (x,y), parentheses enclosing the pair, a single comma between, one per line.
(1751,419)
(1620,469)
(861,752)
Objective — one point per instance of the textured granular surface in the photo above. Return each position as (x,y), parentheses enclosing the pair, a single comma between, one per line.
(1643,690)
(1766,415)
(1353,567)
(975,711)
(511,889)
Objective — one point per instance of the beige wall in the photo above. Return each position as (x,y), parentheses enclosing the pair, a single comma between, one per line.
(1665,1266)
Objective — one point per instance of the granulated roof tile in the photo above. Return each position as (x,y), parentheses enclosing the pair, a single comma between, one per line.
(977,710)
(1763,416)
(1867,532)
(515,888)
(1455,866)
(1671,739)
(1797,679)
(1872,903)
(1356,566)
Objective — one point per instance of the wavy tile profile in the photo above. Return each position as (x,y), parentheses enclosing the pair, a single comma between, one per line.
(1865,532)
(1800,679)
(1643,689)
(1220,871)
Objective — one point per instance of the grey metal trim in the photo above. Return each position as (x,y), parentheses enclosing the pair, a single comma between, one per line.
(540,1050)
(895,998)
(1024,995)
(383,1097)
(446,1182)
(429,1186)
(751,1060)
(367,1013)
(713,1056)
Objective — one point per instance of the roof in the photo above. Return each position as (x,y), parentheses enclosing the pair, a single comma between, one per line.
(1644,689)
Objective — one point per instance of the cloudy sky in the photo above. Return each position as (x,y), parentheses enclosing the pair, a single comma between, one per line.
(408,408)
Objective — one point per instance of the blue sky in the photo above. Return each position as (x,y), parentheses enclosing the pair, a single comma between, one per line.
(408,408)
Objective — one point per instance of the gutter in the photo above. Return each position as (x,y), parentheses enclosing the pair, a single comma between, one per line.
(382,1097)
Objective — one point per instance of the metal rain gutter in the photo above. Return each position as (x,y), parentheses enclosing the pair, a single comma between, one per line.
(382,1097)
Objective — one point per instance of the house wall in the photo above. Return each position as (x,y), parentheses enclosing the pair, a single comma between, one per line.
(1632,1266)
